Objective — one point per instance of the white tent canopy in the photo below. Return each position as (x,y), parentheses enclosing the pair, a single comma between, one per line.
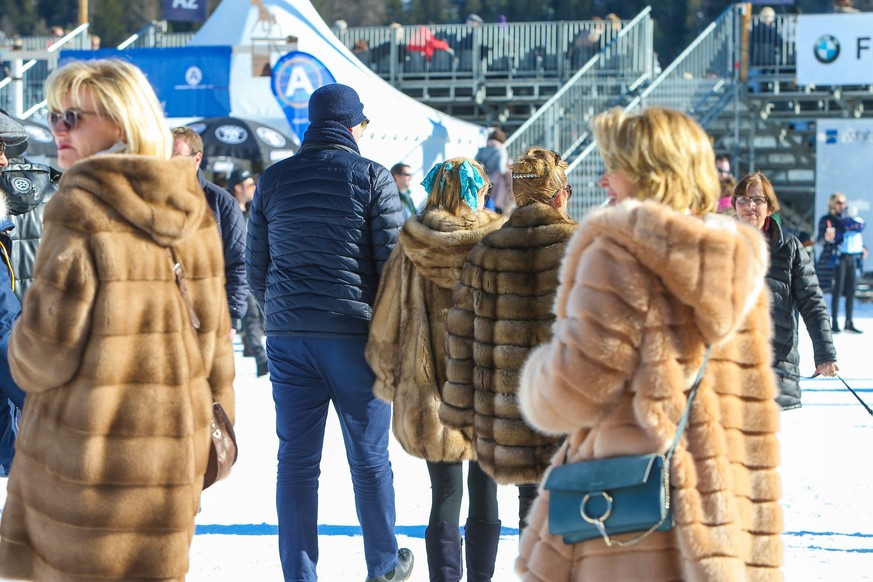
(401,128)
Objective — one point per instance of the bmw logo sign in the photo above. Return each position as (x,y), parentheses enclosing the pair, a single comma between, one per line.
(827,49)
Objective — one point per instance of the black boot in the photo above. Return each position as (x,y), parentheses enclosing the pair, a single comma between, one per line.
(443,543)
(480,548)
(851,327)
(835,327)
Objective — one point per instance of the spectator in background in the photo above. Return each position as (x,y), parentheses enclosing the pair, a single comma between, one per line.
(231,224)
(12,138)
(403,179)
(841,235)
(723,165)
(765,42)
(56,33)
(845,7)
(725,203)
(794,288)
(423,41)
(494,157)
(242,185)
(587,43)
(95,42)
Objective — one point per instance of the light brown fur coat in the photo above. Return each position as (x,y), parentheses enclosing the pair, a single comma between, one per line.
(643,291)
(116,426)
(503,309)
(407,333)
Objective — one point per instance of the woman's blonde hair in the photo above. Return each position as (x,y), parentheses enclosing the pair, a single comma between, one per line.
(122,94)
(664,152)
(445,192)
(537,175)
(832,201)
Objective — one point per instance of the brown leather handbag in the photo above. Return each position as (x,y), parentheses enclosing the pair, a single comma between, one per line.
(223,450)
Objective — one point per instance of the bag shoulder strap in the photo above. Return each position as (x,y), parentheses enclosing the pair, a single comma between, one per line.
(179,271)
(683,422)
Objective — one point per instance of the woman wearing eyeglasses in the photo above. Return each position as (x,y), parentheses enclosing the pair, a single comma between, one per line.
(503,309)
(646,286)
(794,287)
(121,362)
(407,353)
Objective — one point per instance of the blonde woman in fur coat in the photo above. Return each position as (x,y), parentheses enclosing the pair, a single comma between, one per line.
(407,353)
(646,286)
(115,432)
(503,309)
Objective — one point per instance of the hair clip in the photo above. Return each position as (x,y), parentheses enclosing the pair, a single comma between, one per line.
(522,176)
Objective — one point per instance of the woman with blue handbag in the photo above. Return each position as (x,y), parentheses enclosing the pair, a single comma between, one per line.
(650,289)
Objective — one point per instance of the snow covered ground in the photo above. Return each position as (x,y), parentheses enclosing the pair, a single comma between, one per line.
(827,453)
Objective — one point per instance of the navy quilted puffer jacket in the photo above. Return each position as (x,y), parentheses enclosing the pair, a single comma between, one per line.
(321,226)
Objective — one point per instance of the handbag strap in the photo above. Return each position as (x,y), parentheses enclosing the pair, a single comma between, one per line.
(179,271)
(683,422)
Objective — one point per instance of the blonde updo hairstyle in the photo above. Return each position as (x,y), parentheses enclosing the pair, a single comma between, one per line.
(122,94)
(664,152)
(537,175)
(447,195)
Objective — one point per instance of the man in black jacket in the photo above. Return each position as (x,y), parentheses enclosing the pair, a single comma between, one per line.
(231,225)
(321,227)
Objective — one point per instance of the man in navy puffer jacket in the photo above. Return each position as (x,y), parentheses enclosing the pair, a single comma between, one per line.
(321,227)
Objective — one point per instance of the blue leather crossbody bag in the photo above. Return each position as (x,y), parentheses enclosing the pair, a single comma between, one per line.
(622,495)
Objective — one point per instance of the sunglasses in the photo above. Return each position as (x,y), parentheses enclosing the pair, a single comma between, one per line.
(566,188)
(70,118)
(2,149)
(364,125)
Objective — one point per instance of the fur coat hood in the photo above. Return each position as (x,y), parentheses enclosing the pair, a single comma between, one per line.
(144,193)
(120,385)
(503,309)
(406,347)
(643,291)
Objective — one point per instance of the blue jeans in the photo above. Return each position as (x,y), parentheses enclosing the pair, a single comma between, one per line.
(307,373)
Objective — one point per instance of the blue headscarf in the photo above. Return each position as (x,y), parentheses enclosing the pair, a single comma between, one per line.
(471,181)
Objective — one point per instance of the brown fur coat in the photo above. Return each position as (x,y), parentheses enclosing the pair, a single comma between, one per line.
(643,291)
(503,308)
(407,333)
(115,431)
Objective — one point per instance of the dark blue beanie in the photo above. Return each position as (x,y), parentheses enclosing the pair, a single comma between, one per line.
(338,103)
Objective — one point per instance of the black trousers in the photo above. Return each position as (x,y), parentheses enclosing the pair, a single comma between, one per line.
(844,284)
(447,492)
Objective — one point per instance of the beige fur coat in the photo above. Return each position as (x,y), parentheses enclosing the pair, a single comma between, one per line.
(407,333)
(643,291)
(115,431)
(503,309)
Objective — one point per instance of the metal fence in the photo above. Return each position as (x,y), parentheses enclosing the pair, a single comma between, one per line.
(609,77)
(461,52)
(700,81)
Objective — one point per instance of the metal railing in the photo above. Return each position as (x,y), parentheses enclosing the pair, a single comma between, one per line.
(460,52)
(700,81)
(616,72)
(28,68)
(155,35)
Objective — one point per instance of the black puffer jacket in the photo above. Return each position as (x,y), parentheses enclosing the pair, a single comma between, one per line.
(321,227)
(794,287)
(28,187)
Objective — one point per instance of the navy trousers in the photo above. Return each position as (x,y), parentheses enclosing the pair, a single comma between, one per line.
(307,374)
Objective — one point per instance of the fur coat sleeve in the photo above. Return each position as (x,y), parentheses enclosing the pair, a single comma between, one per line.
(383,349)
(57,322)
